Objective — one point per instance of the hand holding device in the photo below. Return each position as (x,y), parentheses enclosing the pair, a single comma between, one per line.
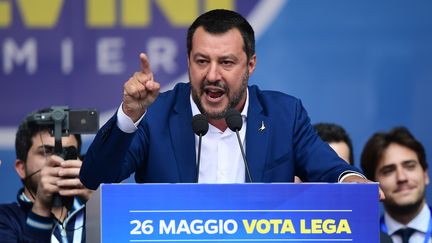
(64,122)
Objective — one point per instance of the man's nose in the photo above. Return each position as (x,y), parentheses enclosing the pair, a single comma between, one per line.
(213,73)
(401,174)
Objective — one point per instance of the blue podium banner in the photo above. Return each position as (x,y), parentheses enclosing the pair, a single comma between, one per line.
(239,213)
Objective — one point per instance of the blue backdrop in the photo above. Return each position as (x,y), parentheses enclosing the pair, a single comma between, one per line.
(363,64)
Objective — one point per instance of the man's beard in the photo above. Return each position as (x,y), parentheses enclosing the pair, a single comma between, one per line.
(395,209)
(234,99)
(31,181)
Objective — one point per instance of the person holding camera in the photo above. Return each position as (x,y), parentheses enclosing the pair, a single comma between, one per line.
(37,216)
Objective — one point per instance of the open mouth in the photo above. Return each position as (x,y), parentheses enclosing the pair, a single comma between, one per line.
(214,93)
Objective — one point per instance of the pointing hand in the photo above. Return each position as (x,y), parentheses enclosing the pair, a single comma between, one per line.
(140,91)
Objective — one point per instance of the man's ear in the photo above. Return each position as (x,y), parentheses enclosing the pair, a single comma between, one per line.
(20,168)
(426,177)
(252,64)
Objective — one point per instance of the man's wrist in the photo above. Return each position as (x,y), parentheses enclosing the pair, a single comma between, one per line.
(348,173)
(125,123)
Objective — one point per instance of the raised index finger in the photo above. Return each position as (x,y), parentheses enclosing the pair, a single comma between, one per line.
(145,64)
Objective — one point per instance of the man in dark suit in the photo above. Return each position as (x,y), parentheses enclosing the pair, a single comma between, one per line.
(398,162)
(338,139)
(151,134)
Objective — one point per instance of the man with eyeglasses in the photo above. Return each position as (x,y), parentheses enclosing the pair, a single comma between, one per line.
(36,217)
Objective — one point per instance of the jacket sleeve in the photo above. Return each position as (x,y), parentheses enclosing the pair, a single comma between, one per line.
(105,160)
(316,160)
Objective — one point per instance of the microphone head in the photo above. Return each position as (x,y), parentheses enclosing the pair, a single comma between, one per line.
(200,124)
(233,119)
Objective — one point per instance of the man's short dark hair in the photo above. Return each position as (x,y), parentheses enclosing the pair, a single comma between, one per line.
(333,133)
(27,130)
(380,141)
(220,21)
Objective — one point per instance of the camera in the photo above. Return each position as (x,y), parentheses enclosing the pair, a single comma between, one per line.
(84,121)
(64,122)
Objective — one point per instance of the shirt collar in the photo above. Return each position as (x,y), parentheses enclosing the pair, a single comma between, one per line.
(23,200)
(419,223)
(195,110)
(24,197)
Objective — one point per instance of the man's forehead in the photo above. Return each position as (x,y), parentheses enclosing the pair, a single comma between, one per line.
(200,32)
(42,137)
(203,45)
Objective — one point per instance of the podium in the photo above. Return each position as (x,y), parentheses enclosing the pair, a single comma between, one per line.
(249,212)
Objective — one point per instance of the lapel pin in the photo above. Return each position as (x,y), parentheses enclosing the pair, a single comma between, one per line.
(262,128)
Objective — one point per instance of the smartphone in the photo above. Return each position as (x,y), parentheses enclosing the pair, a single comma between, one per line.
(83,121)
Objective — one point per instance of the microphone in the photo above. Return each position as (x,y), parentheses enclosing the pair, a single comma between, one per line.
(234,121)
(200,127)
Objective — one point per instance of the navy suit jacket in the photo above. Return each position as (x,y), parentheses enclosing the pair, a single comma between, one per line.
(162,150)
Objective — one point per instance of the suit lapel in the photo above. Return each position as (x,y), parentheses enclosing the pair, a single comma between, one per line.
(257,134)
(182,136)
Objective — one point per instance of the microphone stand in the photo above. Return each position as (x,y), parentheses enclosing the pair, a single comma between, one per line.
(200,128)
(243,155)
(199,156)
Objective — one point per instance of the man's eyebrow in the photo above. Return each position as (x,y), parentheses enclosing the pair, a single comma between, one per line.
(228,57)
(409,161)
(46,146)
(199,55)
(387,166)
(403,163)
